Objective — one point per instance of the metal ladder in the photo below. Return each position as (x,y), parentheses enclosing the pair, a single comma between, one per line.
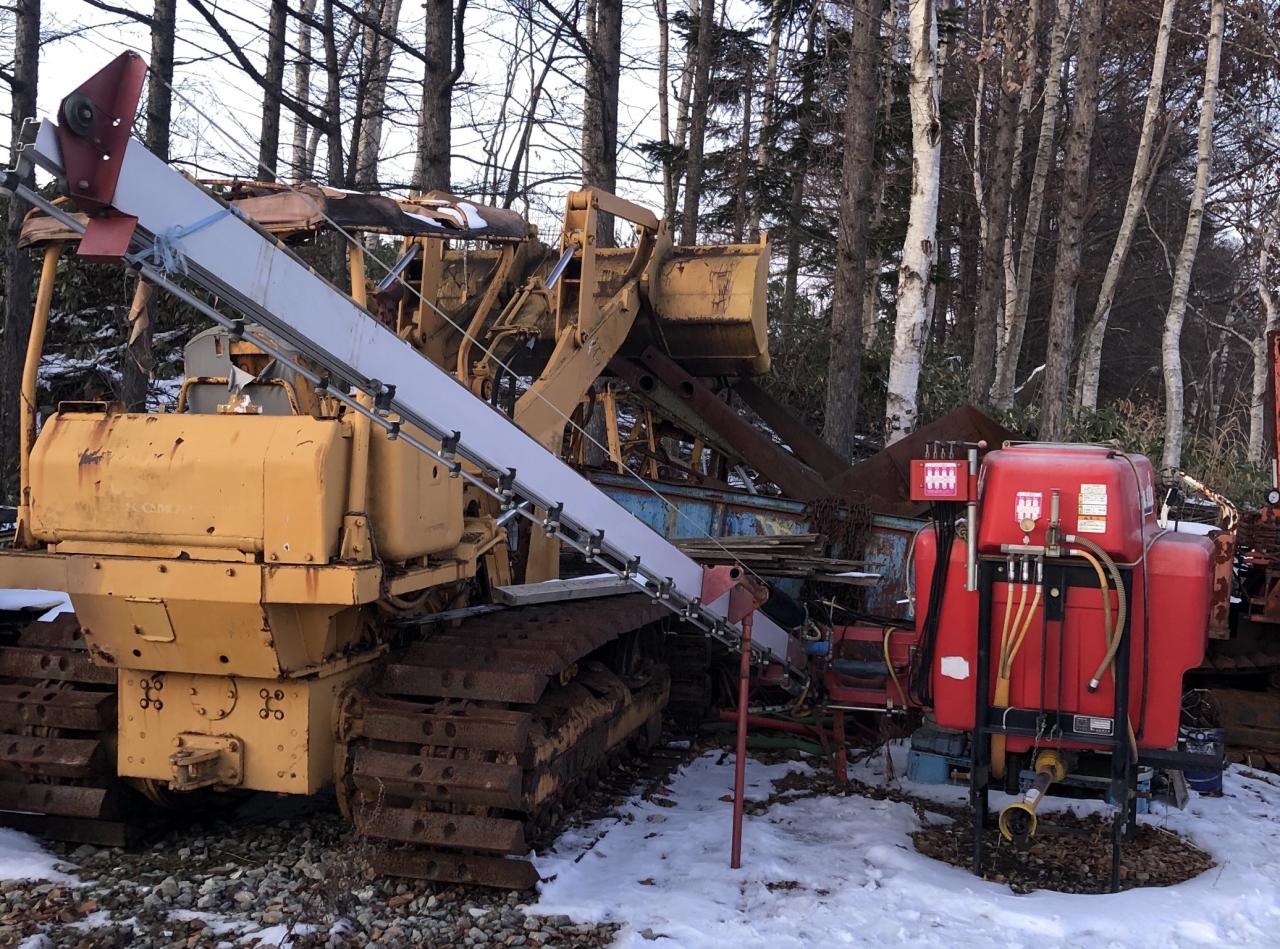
(246,268)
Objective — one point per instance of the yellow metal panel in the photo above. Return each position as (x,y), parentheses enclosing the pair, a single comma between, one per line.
(415,508)
(23,570)
(283,729)
(253,483)
(712,306)
(234,619)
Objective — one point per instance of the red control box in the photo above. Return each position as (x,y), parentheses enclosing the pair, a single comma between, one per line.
(939,480)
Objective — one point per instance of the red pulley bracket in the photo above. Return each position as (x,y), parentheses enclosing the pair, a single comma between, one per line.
(94,123)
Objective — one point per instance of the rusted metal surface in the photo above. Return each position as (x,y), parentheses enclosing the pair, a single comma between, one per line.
(498,729)
(22,704)
(56,799)
(454,867)
(1224,556)
(57,761)
(60,665)
(806,443)
(1252,723)
(757,448)
(882,481)
(465,779)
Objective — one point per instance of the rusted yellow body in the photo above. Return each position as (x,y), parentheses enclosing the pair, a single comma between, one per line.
(235,559)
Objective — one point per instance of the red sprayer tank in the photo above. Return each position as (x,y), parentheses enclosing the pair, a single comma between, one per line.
(1102,496)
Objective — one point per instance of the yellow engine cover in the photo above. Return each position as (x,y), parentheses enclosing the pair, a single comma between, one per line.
(269,485)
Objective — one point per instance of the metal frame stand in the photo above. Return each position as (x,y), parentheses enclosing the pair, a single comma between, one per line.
(1063,726)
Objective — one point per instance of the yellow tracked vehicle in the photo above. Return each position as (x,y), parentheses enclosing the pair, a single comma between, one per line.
(274,592)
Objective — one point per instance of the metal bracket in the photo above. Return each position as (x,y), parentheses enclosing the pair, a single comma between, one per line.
(203,761)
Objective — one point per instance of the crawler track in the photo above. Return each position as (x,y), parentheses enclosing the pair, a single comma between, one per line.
(57,739)
(470,743)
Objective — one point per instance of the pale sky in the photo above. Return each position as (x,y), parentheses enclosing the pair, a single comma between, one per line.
(232,100)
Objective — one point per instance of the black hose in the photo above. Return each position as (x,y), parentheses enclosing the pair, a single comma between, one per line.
(920,679)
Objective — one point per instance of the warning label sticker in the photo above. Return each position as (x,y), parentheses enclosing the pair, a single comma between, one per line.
(1027,506)
(1092,512)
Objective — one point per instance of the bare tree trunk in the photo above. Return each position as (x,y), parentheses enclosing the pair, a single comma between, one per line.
(1026,102)
(378,52)
(443,68)
(1015,321)
(844,365)
(1171,340)
(767,106)
(135,367)
(269,139)
(1139,185)
(996,200)
(600,105)
(301,163)
(697,123)
(160,78)
(795,206)
(1258,346)
(1066,268)
(17,263)
(920,247)
(742,201)
(333,85)
(664,107)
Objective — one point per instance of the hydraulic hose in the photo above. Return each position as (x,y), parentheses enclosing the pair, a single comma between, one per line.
(1105,586)
(1009,648)
(888,631)
(1002,684)
(1122,606)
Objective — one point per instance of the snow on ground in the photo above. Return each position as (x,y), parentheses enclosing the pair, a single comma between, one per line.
(49,600)
(845,872)
(22,858)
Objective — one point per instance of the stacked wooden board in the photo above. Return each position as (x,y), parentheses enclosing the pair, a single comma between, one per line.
(779,555)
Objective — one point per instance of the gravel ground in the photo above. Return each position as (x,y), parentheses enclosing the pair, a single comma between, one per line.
(276,869)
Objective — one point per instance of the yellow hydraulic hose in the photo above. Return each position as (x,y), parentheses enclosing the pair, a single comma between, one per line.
(1016,646)
(1105,586)
(888,631)
(1009,652)
(1121,609)
(1002,684)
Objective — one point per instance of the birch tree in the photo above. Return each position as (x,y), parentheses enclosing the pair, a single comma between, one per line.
(1139,185)
(920,247)
(1171,340)
(1015,321)
(1066,267)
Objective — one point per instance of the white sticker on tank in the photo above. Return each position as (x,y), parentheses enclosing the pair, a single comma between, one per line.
(1027,506)
(954,667)
(1093,500)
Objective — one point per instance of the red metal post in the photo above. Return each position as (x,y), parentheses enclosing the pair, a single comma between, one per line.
(740,758)
(842,757)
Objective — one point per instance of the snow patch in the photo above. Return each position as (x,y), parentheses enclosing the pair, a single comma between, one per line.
(22,858)
(830,871)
